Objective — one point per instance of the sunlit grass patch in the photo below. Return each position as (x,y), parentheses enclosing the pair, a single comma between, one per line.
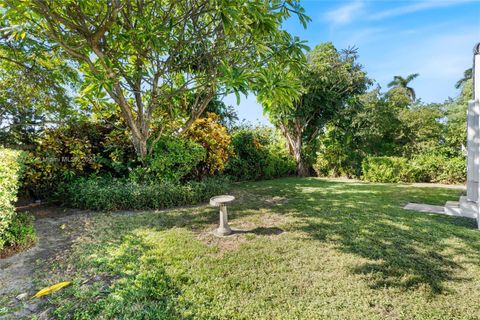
(310,249)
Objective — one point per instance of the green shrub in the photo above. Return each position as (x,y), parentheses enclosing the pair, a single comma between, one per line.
(102,193)
(386,169)
(11,164)
(329,164)
(454,171)
(322,167)
(439,168)
(427,167)
(424,168)
(259,153)
(172,159)
(77,149)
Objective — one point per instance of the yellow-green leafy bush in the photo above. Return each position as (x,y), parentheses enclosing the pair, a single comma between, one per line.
(216,141)
(386,169)
(10,172)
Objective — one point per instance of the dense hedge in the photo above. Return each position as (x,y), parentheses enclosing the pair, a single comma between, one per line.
(259,153)
(100,148)
(424,168)
(11,228)
(172,159)
(385,169)
(439,168)
(100,193)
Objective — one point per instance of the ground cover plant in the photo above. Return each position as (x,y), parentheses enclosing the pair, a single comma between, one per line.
(308,249)
(102,193)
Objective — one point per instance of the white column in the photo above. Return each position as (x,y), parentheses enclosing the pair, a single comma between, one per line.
(476,73)
(476,108)
(476,163)
(472,151)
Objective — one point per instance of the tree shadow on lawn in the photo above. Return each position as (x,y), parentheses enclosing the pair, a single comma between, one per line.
(406,249)
(137,284)
(260,231)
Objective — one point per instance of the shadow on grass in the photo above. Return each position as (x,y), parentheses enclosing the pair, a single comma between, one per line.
(260,231)
(405,249)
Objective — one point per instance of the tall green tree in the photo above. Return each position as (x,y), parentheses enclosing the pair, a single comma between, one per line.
(368,127)
(331,80)
(421,129)
(456,117)
(145,55)
(401,83)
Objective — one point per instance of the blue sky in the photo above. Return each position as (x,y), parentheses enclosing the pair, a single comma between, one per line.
(432,37)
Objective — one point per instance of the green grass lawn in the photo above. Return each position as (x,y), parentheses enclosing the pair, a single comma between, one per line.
(310,249)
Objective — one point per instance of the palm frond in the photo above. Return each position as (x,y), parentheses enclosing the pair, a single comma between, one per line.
(412,76)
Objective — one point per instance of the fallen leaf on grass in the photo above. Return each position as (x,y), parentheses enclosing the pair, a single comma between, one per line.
(52,289)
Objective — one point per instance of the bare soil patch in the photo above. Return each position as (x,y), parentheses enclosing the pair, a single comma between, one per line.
(56,229)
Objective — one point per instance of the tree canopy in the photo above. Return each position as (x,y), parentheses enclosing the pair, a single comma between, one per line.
(147,57)
(330,81)
(35,88)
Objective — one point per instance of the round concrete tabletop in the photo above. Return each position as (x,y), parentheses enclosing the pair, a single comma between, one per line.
(221,200)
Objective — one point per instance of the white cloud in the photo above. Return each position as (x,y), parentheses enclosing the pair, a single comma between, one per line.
(415,7)
(345,14)
(362,36)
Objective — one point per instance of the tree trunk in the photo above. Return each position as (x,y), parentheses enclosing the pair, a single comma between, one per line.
(294,141)
(303,169)
(140,145)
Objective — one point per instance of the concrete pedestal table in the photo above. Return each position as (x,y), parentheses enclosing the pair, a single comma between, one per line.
(222,201)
